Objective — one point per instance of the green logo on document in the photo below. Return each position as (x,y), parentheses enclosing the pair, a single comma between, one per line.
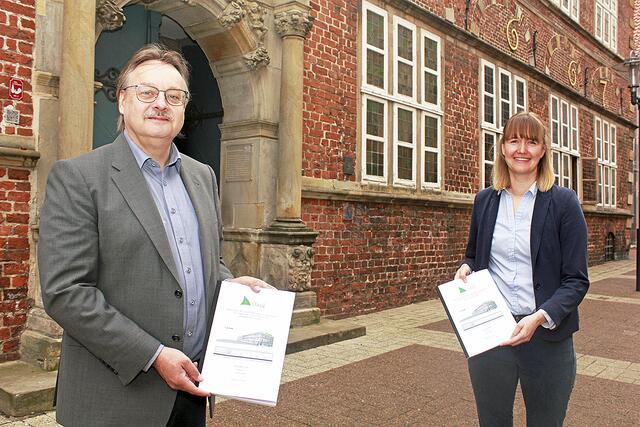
(245,301)
(462,289)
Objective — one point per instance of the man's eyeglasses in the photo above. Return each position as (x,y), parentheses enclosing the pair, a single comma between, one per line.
(148,94)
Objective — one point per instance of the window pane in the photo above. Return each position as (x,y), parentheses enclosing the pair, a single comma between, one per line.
(488,79)
(405,162)
(430,88)
(504,112)
(605,28)
(489,145)
(431,167)
(598,139)
(405,126)
(405,43)
(430,132)
(605,141)
(375,158)
(520,95)
(375,29)
(598,21)
(488,109)
(431,54)
(405,79)
(556,165)
(612,157)
(375,68)
(375,118)
(487,174)
(566,169)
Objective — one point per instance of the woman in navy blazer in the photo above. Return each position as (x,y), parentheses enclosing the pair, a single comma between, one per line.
(532,236)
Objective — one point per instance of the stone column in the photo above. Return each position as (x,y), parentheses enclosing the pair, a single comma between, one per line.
(76,78)
(292,22)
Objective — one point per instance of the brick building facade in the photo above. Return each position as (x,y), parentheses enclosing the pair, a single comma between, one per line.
(402,103)
(17,38)
(435,83)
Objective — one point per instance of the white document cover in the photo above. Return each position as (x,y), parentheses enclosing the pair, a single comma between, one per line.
(478,312)
(246,348)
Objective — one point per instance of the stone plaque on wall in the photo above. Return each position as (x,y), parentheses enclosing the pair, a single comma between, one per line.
(238,160)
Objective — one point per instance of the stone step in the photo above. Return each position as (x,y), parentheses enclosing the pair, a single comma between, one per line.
(304,317)
(323,333)
(25,389)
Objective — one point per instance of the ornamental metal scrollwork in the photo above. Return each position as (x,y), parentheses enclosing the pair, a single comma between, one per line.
(109,15)
(108,80)
(512,34)
(572,71)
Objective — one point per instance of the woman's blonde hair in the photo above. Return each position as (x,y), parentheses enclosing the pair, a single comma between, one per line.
(524,125)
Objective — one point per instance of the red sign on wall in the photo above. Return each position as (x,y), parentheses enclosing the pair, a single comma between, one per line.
(15,88)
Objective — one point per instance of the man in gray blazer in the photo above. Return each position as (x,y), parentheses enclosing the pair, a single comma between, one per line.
(129,257)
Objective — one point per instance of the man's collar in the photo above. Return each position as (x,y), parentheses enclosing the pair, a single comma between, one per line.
(142,157)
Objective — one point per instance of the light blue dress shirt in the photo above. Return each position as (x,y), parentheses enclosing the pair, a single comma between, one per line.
(510,259)
(181,225)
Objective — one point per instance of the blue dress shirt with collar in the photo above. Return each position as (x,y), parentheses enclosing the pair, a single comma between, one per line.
(181,225)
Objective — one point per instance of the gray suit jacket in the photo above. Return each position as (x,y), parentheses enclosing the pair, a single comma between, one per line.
(109,279)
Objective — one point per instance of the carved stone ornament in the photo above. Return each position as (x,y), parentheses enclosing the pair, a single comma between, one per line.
(232,14)
(255,15)
(293,23)
(109,15)
(300,262)
(258,58)
(187,2)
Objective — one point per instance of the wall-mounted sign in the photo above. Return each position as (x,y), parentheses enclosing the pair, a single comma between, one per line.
(16,88)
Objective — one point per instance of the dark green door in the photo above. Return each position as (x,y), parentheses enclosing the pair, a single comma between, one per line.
(200,136)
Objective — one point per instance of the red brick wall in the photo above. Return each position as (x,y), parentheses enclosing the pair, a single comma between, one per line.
(15,193)
(387,255)
(17,37)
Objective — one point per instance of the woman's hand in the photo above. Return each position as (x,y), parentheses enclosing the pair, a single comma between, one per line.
(525,328)
(463,272)
(254,283)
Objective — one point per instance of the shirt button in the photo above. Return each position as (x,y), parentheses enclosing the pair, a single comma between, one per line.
(164,183)
(178,293)
(193,302)
(173,210)
(188,270)
(189,333)
(176,337)
(180,240)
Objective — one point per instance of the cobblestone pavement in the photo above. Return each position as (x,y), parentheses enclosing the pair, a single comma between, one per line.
(409,370)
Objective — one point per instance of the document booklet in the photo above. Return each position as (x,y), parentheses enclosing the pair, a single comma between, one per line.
(245,352)
(478,312)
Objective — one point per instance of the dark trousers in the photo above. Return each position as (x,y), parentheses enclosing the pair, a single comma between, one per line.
(546,371)
(188,411)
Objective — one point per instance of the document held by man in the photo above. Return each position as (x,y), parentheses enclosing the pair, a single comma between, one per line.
(246,348)
(478,312)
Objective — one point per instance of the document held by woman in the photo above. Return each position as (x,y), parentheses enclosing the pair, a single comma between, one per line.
(477,311)
(246,347)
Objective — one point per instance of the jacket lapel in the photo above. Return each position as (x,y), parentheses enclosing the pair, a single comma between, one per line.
(197,194)
(489,222)
(127,176)
(540,210)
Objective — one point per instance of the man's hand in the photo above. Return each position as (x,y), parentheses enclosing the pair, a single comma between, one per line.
(178,371)
(254,283)
(525,328)
(462,273)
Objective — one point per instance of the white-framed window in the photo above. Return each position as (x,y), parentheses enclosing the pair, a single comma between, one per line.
(606,24)
(374,131)
(565,142)
(404,146)
(401,109)
(606,142)
(570,7)
(502,95)
(404,58)
(375,73)
(431,66)
(431,136)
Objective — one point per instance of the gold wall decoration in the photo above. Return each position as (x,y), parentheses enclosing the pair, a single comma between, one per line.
(572,71)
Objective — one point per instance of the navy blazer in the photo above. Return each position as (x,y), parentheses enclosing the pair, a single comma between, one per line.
(558,253)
